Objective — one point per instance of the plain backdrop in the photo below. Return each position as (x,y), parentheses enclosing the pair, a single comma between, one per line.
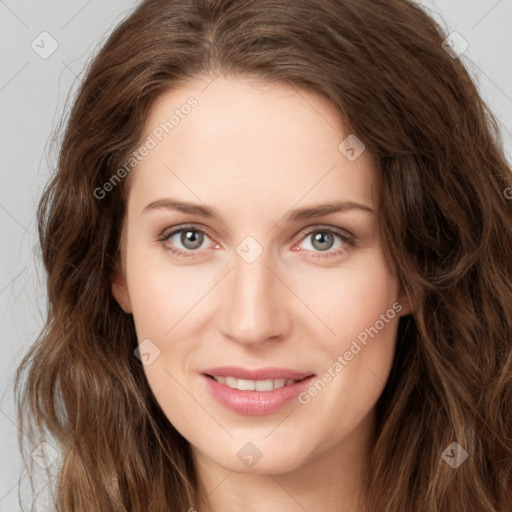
(43,48)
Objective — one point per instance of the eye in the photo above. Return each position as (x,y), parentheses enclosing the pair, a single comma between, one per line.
(323,239)
(189,237)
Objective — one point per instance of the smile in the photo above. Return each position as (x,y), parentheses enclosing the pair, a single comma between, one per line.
(268,394)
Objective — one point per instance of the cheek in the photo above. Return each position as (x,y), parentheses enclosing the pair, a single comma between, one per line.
(162,293)
(354,375)
(360,312)
(169,310)
(349,299)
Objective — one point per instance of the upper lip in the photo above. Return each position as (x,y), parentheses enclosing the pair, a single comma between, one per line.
(256,374)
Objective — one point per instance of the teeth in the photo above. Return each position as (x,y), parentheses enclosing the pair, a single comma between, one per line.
(264,385)
(246,385)
(254,385)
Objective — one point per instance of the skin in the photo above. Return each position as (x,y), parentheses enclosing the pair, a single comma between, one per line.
(254,151)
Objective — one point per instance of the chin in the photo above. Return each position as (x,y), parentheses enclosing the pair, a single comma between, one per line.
(273,462)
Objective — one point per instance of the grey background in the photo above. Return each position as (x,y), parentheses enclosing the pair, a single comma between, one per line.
(33,95)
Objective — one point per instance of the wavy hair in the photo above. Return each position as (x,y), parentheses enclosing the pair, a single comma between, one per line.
(445,213)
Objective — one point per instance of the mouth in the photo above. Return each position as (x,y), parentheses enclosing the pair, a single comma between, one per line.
(267,392)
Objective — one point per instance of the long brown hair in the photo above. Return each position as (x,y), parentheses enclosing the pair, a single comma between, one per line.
(446,226)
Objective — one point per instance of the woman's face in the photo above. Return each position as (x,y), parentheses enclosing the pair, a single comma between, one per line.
(264,289)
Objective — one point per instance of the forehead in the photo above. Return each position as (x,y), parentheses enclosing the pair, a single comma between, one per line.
(229,138)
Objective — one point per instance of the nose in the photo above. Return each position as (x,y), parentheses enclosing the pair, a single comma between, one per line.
(255,304)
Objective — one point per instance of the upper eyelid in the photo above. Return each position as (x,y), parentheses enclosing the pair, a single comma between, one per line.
(319,227)
(166,233)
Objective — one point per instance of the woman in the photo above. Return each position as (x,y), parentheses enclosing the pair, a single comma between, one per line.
(279,277)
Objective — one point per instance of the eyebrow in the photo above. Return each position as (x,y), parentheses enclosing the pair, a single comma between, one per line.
(294,215)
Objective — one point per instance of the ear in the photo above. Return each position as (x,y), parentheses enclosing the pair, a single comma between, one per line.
(120,289)
(406,305)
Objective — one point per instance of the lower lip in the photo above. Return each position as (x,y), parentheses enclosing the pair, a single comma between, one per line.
(254,403)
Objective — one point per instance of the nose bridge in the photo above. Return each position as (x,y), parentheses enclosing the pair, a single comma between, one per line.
(251,280)
(253,311)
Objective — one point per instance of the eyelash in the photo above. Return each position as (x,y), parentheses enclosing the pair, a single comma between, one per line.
(347,239)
